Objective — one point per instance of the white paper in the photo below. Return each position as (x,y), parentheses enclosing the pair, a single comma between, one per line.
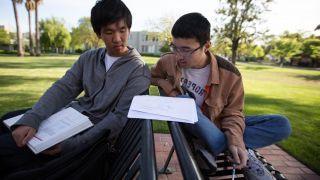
(163,108)
(11,121)
(56,128)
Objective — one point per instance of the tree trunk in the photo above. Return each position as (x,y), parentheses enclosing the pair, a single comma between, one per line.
(30,36)
(19,35)
(38,51)
(281,61)
(234,49)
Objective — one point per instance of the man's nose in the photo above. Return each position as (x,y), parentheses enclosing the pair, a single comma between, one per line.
(116,37)
(179,55)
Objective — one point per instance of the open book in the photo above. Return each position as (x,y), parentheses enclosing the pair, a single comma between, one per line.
(55,129)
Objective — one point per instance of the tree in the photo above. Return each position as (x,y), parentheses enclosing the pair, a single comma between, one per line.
(221,46)
(257,52)
(19,35)
(239,18)
(30,6)
(84,36)
(63,39)
(250,51)
(54,35)
(4,37)
(285,48)
(311,49)
(38,51)
(161,29)
(165,48)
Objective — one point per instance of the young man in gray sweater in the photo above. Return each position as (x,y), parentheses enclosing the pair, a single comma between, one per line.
(110,77)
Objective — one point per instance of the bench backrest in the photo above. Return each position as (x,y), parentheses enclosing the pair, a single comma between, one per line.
(136,156)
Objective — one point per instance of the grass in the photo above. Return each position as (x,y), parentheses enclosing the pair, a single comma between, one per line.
(269,90)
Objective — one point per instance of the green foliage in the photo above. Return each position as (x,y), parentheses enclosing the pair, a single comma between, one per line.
(63,38)
(250,52)
(311,47)
(54,34)
(162,28)
(4,37)
(258,52)
(83,36)
(239,18)
(165,48)
(286,47)
(221,46)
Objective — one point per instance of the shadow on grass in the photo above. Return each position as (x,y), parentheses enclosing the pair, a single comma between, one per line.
(309,77)
(255,104)
(16,101)
(303,142)
(6,81)
(36,64)
(256,68)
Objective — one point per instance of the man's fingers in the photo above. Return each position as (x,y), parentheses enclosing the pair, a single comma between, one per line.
(235,155)
(18,138)
(29,135)
(22,135)
(243,157)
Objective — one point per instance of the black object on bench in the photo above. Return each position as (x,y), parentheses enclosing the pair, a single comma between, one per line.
(131,157)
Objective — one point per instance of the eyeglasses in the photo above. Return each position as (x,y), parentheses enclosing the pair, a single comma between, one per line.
(185,52)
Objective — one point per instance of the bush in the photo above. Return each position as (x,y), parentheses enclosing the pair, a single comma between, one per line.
(150,54)
(79,51)
(8,52)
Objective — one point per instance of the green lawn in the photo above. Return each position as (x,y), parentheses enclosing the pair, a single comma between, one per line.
(288,91)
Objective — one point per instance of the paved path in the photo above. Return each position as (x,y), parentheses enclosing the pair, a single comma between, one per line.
(281,160)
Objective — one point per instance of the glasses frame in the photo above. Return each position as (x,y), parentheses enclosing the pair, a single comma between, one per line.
(176,50)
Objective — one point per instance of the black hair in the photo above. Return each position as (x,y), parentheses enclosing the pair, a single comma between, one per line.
(106,12)
(192,25)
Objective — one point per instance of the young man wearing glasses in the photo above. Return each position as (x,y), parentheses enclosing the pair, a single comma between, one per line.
(216,85)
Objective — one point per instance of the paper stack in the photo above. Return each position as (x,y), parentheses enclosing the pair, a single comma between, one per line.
(163,108)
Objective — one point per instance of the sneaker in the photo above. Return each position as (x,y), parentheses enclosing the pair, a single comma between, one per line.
(255,169)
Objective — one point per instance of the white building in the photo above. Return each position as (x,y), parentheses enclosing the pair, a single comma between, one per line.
(144,42)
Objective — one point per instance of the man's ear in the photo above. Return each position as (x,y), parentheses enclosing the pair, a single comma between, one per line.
(207,46)
(98,35)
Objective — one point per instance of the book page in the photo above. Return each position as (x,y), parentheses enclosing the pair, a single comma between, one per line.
(182,109)
(11,121)
(56,128)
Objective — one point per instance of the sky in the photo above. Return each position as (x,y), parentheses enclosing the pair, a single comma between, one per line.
(291,15)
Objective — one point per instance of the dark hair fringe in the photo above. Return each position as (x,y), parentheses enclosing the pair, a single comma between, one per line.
(192,25)
(106,12)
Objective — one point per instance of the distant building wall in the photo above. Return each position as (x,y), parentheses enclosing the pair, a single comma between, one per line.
(144,42)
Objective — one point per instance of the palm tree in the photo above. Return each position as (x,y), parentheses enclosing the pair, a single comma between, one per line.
(30,6)
(19,35)
(38,51)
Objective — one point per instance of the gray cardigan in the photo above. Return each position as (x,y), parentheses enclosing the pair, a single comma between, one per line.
(107,95)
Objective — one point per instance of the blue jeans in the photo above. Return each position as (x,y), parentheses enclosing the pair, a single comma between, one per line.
(260,131)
